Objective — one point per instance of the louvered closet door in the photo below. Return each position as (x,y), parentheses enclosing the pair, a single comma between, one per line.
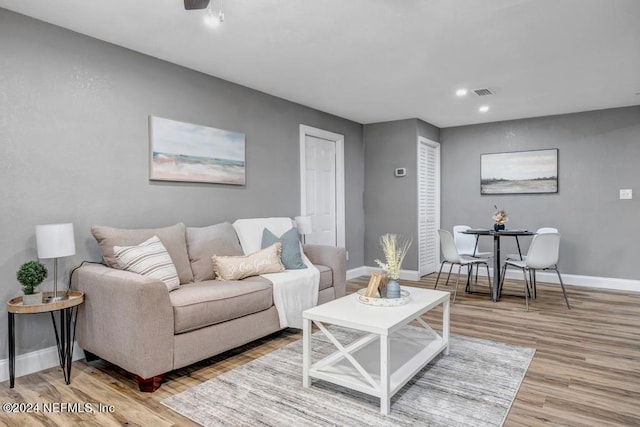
(428,205)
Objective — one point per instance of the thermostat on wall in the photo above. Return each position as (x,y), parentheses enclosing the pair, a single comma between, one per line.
(401,171)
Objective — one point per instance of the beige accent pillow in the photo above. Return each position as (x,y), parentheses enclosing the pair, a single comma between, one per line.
(238,267)
(173,238)
(149,258)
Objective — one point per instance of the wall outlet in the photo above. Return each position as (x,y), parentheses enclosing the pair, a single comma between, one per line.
(347,255)
(626,194)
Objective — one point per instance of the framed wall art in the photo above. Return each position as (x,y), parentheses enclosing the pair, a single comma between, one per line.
(519,172)
(186,152)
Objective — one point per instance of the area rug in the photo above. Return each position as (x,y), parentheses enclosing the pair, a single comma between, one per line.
(474,385)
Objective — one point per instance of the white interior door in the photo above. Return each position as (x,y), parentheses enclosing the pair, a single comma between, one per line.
(322,185)
(321,190)
(428,205)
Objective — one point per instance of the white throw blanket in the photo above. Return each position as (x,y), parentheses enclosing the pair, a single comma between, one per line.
(293,290)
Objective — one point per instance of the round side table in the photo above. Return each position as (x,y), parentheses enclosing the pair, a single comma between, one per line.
(64,329)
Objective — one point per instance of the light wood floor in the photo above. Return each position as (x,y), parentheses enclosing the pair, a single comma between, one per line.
(586,369)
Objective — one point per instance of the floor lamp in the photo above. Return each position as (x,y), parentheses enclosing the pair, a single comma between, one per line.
(55,241)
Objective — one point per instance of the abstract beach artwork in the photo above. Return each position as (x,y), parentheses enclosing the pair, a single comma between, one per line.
(519,172)
(187,152)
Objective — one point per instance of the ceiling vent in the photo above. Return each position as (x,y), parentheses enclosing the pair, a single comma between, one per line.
(483,92)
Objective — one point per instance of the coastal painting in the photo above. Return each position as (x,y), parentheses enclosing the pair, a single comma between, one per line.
(519,172)
(192,153)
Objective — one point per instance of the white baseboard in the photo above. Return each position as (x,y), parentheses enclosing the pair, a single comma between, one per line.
(36,361)
(357,272)
(610,283)
(366,271)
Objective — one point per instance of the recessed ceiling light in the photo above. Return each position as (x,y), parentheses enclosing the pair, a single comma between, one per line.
(461,92)
(483,109)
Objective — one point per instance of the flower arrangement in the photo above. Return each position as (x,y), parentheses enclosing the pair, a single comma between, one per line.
(395,248)
(500,216)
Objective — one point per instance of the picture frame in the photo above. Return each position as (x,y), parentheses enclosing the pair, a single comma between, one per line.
(186,152)
(372,286)
(519,172)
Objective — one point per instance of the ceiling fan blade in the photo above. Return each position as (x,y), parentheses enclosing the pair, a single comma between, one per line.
(195,4)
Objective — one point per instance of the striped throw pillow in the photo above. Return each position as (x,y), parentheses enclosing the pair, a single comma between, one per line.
(149,258)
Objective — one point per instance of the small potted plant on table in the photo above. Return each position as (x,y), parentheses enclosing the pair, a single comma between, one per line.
(30,275)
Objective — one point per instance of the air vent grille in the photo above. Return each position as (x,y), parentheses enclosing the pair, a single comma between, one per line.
(483,92)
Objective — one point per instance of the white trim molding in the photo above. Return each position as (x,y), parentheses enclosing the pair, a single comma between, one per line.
(354,273)
(412,275)
(36,361)
(609,283)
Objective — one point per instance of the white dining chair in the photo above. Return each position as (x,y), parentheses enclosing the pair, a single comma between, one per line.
(467,244)
(543,230)
(532,276)
(542,255)
(450,255)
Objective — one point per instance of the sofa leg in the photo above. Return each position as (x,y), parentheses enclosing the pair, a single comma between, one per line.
(90,357)
(149,385)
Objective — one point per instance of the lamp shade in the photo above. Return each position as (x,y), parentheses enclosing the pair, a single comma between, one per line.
(55,240)
(303,224)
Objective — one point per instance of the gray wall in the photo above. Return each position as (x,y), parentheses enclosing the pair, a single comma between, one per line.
(391,202)
(74,141)
(427,130)
(599,154)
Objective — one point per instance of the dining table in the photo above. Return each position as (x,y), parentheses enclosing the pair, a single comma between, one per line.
(497,264)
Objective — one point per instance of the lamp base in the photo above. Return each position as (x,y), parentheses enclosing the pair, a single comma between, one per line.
(59,297)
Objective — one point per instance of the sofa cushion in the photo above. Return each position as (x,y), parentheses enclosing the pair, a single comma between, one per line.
(326,277)
(205,242)
(200,304)
(238,267)
(149,258)
(173,238)
(291,254)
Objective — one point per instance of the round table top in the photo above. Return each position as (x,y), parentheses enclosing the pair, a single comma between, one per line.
(489,232)
(74,298)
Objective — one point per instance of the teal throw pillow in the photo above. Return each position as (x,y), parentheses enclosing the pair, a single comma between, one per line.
(291,256)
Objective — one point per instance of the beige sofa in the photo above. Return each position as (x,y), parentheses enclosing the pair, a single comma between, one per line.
(136,323)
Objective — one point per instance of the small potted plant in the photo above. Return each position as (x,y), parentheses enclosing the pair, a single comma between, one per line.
(30,275)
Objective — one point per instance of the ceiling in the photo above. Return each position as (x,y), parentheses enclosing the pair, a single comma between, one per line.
(380,60)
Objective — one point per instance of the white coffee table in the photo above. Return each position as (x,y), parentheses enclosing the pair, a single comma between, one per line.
(381,362)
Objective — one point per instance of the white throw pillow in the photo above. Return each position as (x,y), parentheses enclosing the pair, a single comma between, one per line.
(149,258)
(250,231)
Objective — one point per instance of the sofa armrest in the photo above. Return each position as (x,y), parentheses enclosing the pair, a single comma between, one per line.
(334,258)
(126,319)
